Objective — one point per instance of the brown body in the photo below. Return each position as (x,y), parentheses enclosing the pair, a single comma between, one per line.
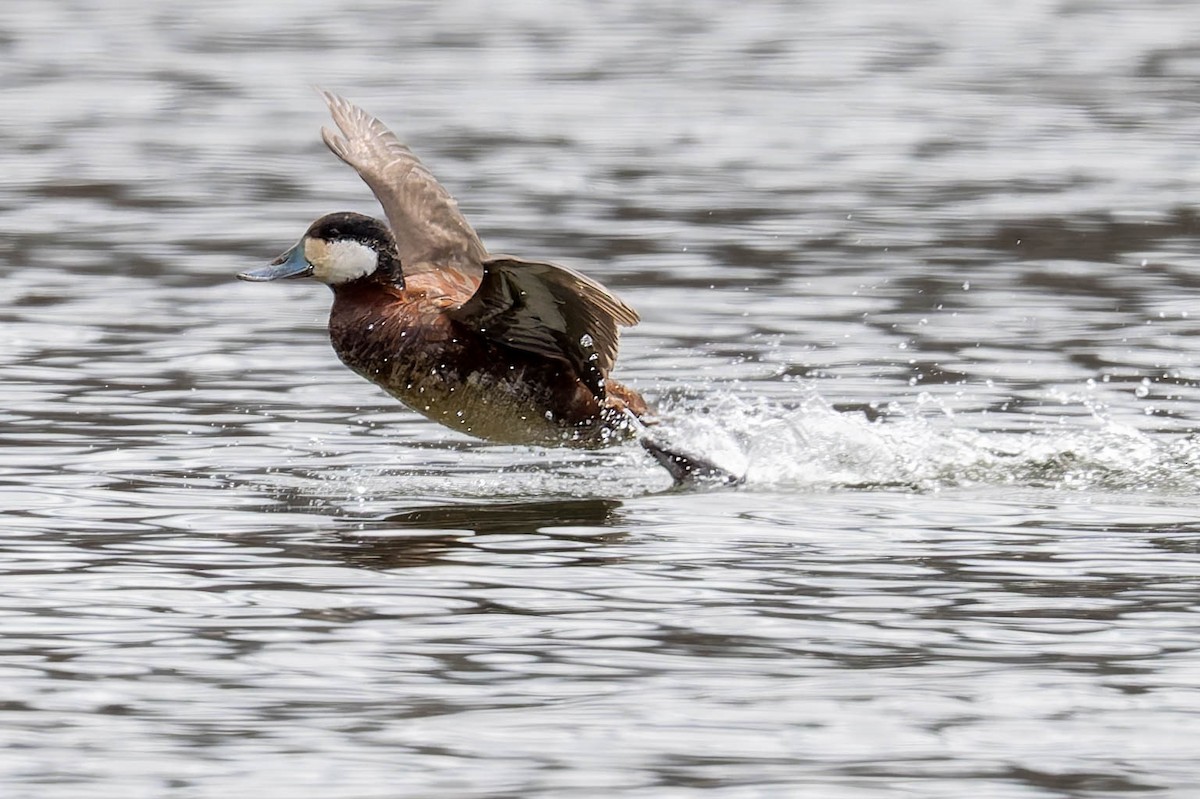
(404,341)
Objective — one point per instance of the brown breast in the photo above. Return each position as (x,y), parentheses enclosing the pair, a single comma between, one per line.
(403,341)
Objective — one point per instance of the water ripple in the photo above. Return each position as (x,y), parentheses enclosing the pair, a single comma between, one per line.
(924,279)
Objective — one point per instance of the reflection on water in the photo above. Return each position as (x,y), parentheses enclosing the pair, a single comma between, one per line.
(503,518)
(926,274)
(428,535)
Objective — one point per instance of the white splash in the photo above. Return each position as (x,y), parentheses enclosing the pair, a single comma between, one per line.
(815,447)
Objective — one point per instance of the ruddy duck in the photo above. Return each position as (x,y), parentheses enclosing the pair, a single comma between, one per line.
(495,346)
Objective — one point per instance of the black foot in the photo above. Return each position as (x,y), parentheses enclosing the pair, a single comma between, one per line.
(687,469)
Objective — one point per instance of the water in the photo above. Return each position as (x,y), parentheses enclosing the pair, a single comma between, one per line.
(924,272)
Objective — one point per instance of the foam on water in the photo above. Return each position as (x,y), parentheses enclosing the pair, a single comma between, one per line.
(813,446)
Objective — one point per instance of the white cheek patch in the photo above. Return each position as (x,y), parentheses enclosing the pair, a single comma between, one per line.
(337,262)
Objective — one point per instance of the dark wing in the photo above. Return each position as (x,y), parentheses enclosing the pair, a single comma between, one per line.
(431,233)
(549,310)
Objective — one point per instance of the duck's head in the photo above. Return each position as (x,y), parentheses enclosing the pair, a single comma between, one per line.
(338,249)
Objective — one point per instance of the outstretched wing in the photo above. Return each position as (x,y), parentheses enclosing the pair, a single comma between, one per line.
(431,233)
(549,310)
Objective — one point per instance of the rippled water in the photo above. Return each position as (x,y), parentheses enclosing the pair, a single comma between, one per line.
(927,273)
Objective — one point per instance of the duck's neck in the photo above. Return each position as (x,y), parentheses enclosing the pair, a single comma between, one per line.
(364,297)
(360,328)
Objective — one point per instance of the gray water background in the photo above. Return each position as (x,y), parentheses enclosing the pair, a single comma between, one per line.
(927,272)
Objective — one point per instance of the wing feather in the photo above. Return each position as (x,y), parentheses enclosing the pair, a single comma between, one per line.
(431,233)
(552,311)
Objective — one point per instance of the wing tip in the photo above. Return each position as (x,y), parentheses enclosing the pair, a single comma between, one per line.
(336,143)
(348,117)
(620,311)
(331,99)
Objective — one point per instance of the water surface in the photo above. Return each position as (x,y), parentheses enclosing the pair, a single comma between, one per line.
(925,273)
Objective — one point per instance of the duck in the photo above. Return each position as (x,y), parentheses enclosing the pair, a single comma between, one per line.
(498,347)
